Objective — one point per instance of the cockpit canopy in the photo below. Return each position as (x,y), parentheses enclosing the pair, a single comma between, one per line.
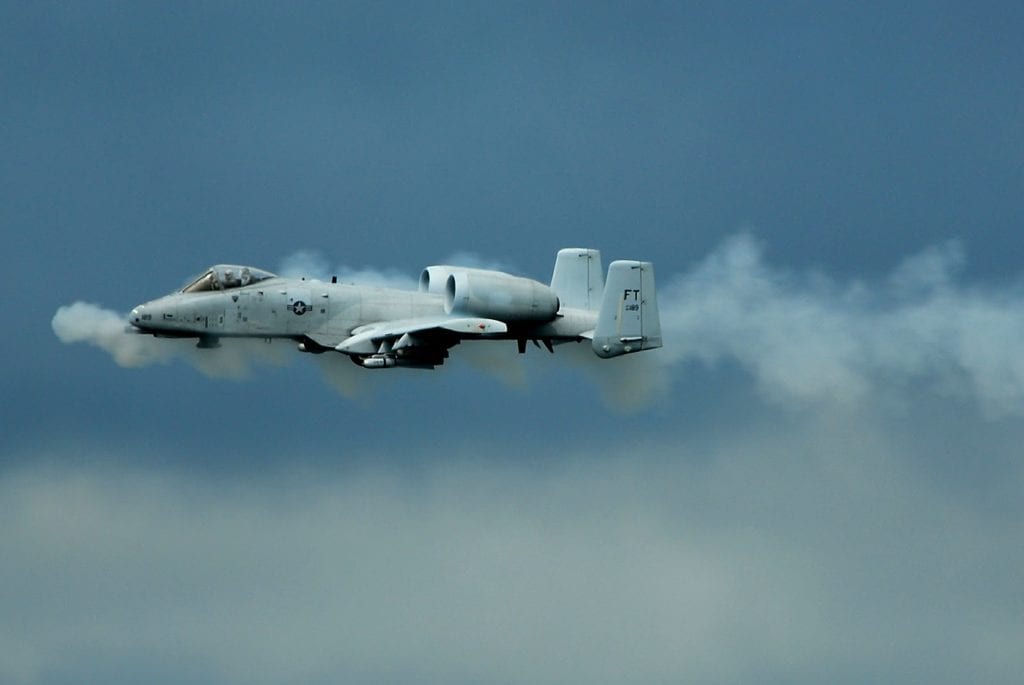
(225,277)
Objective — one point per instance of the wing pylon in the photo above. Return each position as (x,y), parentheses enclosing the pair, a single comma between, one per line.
(419,342)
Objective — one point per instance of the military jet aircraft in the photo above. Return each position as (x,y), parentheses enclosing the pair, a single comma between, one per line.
(385,327)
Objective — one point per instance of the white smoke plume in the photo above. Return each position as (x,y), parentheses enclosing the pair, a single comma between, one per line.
(108,330)
(350,381)
(498,360)
(626,384)
(475,261)
(803,337)
(807,338)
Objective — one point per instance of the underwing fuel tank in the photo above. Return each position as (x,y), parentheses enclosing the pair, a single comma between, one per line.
(379,362)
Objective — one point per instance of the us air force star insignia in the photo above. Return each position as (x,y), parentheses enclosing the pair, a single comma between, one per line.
(299,308)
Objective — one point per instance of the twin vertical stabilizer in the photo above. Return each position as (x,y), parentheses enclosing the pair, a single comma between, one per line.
(627,302)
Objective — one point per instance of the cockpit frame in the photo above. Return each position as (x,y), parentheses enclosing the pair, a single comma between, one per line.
(226,277)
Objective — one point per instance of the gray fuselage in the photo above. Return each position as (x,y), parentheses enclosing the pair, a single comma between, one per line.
(317,311)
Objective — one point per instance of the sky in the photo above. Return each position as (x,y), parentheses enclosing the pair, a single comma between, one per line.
(818,478)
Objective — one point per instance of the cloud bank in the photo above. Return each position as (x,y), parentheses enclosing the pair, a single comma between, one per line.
(793,554)
(803,337)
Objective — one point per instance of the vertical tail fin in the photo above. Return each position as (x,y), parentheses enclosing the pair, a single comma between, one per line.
(577,279)
(628,320)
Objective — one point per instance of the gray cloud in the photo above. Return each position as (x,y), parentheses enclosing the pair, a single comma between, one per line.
(789,553)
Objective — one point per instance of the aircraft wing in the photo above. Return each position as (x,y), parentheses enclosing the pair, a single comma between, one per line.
(426,337)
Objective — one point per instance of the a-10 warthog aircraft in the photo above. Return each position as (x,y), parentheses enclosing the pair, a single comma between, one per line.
(384,327)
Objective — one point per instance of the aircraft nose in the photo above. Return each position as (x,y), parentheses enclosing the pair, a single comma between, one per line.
(135,317)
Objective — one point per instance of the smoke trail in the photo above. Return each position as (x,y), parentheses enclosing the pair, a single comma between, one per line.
(497,359)
(350,381)
(806,338)
(312,264)
(626,384)
(90,323)
(475,261)
(106,329)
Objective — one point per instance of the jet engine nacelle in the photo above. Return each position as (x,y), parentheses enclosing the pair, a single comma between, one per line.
(498,295)
(490,294)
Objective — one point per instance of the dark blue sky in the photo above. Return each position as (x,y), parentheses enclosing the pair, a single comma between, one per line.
(832,196)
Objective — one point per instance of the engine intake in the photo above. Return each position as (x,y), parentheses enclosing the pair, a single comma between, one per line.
(433,278)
